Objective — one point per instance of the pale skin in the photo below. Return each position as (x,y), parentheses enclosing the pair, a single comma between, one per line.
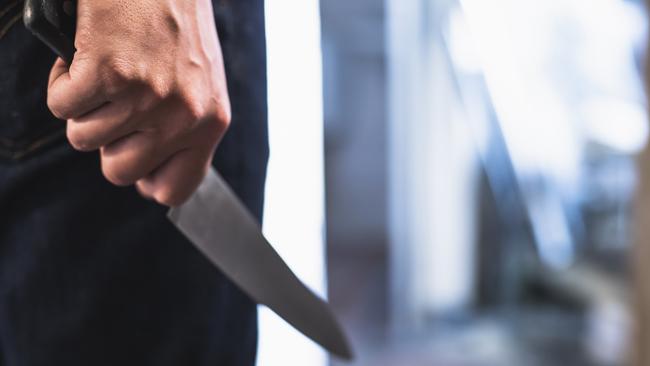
(147,88)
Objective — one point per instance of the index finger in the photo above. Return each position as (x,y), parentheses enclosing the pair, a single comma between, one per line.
(75,90)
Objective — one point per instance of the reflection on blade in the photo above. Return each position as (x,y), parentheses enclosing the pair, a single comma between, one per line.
(220,226)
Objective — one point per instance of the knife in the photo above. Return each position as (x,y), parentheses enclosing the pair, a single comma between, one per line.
(215,220)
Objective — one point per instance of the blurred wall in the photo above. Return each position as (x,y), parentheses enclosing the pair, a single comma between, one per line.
(355,122)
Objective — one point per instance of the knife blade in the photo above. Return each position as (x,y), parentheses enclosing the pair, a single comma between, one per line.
(242,252)
(216,221)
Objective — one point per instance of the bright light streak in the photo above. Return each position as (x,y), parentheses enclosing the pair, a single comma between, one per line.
(461,45)
(535,123)
(548,64)
(294,208)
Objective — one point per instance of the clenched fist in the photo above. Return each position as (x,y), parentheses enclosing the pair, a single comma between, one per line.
(147,89)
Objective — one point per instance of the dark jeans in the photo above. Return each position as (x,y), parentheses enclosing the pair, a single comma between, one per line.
(92,274)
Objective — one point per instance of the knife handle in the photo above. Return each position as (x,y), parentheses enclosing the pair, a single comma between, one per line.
(54,23)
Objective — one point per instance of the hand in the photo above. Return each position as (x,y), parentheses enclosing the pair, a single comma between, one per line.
(147,88)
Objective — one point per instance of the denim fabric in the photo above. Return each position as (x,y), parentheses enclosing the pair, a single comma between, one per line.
(92,274)
(25,123)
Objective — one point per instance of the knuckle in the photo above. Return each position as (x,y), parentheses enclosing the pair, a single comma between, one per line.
(193,108)
(168,196)
(113,85)
(116,174)
(120,70)
(144,187)
(192,112)
(57,108)
(77,139)
(224,114)
(118,75)
(218,123)
(122,77)
(156,92)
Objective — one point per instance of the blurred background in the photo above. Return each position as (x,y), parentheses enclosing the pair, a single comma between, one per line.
(474,164)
